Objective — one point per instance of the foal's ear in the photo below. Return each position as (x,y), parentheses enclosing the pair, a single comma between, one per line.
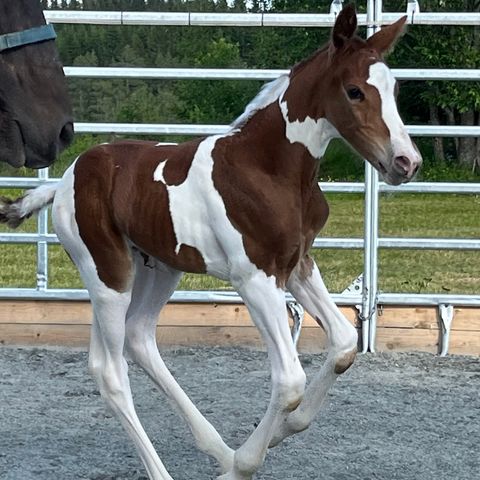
(384,40)
(345,26)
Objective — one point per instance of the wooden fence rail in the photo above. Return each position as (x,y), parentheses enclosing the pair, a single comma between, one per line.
(67,323)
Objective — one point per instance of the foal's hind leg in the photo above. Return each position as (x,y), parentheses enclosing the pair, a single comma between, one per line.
(153,287)
(106,360)
(108,366)
(307,286)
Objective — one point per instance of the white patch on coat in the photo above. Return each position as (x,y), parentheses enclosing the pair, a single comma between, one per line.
(158,173)
(382,79)
(200,219)
(315,135)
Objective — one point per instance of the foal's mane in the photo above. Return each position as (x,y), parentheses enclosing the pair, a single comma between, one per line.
(268,94)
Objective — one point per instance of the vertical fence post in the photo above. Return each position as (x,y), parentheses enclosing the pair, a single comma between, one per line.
(42,246)
(370,283)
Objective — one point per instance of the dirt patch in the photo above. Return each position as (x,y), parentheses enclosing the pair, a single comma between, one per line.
(390,416)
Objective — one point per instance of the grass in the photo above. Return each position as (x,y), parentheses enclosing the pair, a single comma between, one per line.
(401,215)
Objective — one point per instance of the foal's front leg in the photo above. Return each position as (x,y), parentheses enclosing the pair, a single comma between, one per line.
(266,304)
(307,286)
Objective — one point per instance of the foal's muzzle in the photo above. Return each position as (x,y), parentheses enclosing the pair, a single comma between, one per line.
(406,167)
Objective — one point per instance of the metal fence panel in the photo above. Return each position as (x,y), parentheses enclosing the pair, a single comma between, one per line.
(370,297)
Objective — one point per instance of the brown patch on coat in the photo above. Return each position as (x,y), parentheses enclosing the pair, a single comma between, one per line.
(179,161)
(117,200)
(94,177)
(305,267)
(144,215)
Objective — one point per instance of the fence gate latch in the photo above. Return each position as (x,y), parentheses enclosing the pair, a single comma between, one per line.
(446,317)
(336,7)
(298,313)
(412,8)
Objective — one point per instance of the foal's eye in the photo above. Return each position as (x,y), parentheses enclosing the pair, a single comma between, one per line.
(354,93)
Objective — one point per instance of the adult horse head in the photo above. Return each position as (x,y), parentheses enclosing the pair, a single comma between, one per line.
(35,111)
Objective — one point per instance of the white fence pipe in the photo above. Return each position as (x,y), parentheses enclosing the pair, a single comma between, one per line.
(249,74)
(457,188)
(226,296)
(320,242)
(190,129)
(246,19)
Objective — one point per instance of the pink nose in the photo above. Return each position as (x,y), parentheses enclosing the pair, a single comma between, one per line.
(407,167)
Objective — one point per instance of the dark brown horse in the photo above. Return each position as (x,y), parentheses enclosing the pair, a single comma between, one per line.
(245,207)
(35,111)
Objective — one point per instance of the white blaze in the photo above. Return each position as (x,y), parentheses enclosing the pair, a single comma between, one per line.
(382,79)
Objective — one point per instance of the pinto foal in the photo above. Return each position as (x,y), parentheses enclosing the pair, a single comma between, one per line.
(245,207)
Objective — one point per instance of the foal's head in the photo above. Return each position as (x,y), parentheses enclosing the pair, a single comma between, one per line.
(357,95)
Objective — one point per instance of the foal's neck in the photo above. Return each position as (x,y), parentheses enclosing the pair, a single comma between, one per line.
(303,108)
(288,133)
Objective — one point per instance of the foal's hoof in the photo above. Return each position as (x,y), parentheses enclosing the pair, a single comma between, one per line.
(232,476)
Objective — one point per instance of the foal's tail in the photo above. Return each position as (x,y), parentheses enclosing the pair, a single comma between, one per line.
(14,212)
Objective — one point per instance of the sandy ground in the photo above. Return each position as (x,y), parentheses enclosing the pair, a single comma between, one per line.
(392,416)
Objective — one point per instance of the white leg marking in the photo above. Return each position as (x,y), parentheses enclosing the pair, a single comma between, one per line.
(266,304)
(152,289)
(108,330)
(342,335)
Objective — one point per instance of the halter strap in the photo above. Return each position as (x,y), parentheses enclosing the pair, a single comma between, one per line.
(26,37)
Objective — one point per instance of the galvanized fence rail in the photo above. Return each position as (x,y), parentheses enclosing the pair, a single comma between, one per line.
(369,297)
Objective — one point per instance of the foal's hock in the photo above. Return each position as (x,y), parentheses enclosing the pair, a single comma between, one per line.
(245,207)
